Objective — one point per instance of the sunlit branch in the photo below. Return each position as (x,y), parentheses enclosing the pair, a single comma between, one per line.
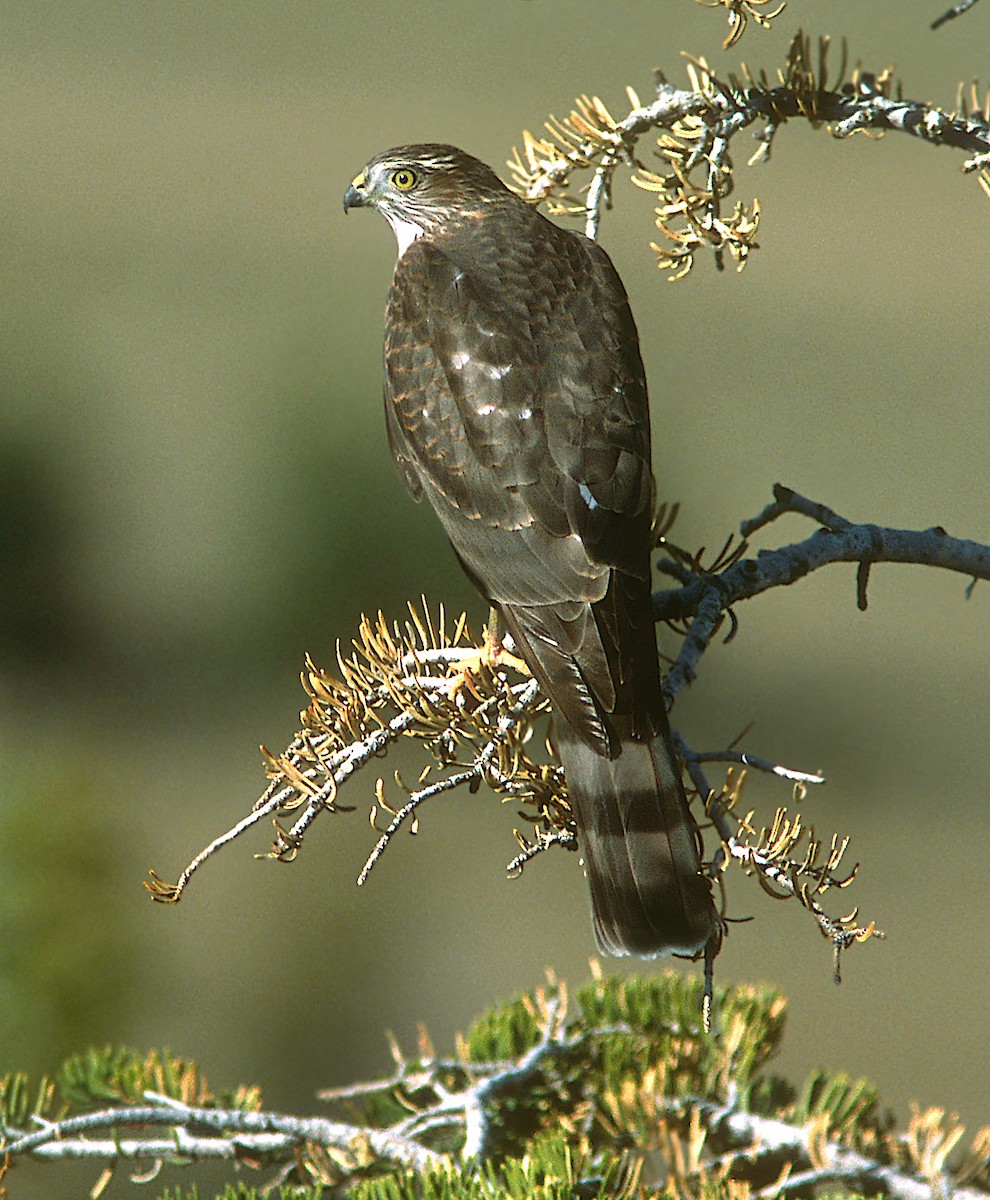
(693,173)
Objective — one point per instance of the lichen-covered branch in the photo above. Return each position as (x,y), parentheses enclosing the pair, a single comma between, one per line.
(694,173)
(236,1135)
(705,599)
(419,681)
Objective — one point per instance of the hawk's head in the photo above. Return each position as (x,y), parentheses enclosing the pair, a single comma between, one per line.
(421,189)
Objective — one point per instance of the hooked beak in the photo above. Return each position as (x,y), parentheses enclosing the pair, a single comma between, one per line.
(356,196)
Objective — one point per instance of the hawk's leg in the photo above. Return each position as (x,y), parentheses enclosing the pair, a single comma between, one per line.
(499,646)
(491,655)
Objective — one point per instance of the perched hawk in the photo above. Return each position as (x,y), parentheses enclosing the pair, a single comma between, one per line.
(515,401)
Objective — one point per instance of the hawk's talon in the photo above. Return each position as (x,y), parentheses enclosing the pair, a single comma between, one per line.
(489,658)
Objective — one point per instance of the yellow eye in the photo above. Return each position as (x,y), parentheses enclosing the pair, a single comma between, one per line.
(403,179)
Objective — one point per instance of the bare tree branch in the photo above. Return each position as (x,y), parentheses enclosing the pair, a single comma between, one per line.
(816,1166)
(709,597)
(956,11)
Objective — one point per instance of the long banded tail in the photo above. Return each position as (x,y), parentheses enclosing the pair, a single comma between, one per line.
(638,837)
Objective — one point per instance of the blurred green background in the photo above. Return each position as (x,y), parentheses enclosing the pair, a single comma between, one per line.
(195,490)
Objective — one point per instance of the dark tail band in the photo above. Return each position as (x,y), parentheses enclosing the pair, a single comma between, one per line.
(648,896)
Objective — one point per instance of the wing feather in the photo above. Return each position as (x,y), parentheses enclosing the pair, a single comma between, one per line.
(516,401)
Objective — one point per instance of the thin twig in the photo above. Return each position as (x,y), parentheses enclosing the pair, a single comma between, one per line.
(696,127)
(525,694)
(957,10)
(758,764)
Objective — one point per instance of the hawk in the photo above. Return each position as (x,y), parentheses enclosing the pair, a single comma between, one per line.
(515,402)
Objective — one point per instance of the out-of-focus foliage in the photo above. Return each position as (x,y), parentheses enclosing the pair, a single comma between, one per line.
(66,963)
